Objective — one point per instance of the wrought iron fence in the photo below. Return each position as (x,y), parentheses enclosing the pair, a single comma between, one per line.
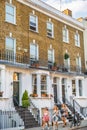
(11,58)
(10,119)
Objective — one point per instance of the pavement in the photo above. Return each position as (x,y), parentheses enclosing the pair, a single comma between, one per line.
(60,127)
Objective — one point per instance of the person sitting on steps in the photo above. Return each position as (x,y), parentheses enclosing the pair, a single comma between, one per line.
(64,114)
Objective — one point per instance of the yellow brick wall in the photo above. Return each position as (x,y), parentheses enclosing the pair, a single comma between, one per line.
(24,36)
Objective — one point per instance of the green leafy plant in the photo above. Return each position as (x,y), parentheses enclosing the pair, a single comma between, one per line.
(25,99)
(66,56)
(55,64)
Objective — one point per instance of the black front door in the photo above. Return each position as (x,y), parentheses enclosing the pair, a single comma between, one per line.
(55,93)
(16,93)
(63,93)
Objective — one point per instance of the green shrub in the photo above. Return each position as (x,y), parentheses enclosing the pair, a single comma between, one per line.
(25,99)
(66,56)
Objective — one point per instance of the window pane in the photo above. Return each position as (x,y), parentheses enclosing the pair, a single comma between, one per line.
(9,9)
(65,35)
(9,43)
(73,87)
(10,14)
(50,55)
(43,84)
(9,18)
(33,23)
(49,26)
(33,51)
(49,29)
(34,83)
(33,19)
(77,40)
(10,49)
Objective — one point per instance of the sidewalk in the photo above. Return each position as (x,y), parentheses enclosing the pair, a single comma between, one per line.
(83,124)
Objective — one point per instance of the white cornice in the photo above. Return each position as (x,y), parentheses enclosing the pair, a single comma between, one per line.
(53,13)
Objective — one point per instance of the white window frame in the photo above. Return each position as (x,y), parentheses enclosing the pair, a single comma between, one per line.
(73,87)
(50,31)
(44,84)
(33,26)
(77,39)
(51,56)
(9,14)
(34,83)
(10,52)
(65,35)
(78,63)
(33,56)
(67,64)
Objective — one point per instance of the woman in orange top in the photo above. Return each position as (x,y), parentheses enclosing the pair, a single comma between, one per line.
(64,114)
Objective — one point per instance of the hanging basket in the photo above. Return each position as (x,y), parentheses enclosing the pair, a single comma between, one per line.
(66,56)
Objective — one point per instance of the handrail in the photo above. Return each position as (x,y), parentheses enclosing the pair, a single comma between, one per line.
(58,101)
(15,100)
(35,113)
(82,110)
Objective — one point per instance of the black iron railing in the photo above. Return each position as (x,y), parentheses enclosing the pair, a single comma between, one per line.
(35,111)
(10,119)
(80,109)
(8,57)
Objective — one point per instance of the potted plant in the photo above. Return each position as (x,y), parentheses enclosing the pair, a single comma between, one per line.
(25,99)
(44,95)
(35,64)
(54,67)
(66,56)
(33,95)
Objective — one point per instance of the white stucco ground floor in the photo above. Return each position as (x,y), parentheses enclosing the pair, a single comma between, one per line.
(45,88)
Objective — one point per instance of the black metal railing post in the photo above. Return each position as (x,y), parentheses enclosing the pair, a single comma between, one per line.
(74,111)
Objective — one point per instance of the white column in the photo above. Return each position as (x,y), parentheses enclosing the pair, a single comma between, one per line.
(77,88)
(29,78)
(84,90)
(49,89)
(38,85)
(3,81)
(60,89)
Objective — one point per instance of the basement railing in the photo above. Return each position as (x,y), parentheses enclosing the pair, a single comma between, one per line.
(10,120)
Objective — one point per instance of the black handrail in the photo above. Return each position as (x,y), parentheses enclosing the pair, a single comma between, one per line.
(8,57)
(38,111)
(15,101)
(78,108)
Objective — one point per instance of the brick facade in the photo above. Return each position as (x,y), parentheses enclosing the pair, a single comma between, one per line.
(20,31)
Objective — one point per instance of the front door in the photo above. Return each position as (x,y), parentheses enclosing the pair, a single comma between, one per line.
(16,89)
(55,93)
(63,93)
(16,93)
